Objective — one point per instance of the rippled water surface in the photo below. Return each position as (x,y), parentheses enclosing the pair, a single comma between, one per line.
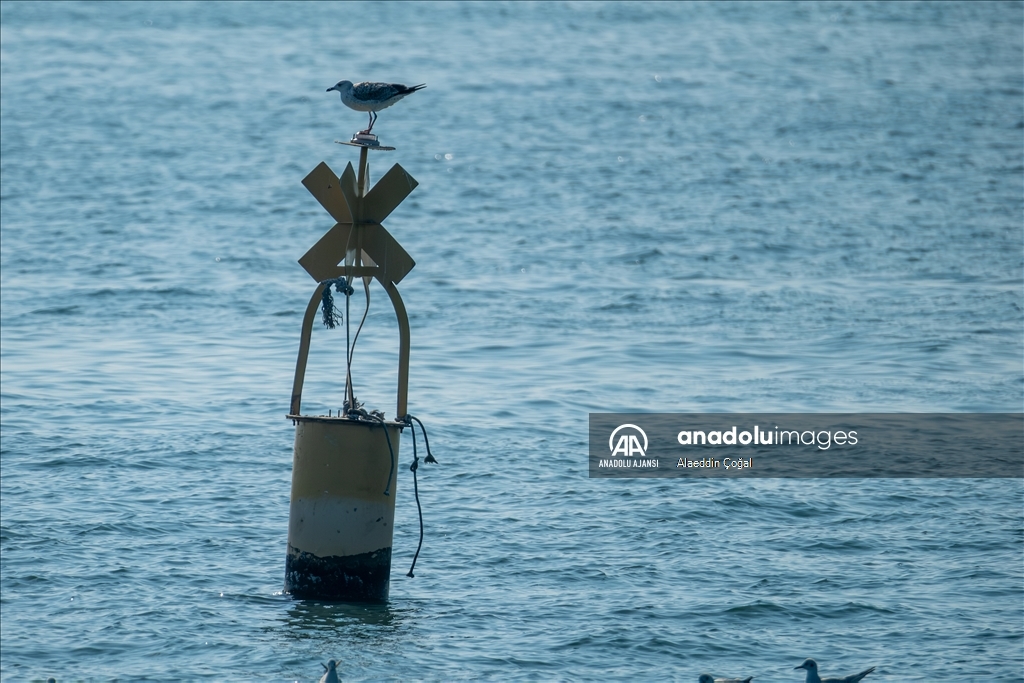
(811,207)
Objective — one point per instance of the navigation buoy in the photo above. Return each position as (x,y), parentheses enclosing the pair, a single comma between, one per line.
(345,467)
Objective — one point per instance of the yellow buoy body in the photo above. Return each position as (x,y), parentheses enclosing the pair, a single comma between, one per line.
(342,512)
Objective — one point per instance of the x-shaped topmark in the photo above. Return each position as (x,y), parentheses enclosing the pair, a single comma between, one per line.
(358,230)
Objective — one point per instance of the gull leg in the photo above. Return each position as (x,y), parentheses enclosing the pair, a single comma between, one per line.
(373,120)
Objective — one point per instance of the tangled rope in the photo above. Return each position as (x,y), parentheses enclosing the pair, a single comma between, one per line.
(331,315)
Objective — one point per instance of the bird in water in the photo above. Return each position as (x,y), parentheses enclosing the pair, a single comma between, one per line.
(708,678)
(812,674)
(332,672)
(372,97)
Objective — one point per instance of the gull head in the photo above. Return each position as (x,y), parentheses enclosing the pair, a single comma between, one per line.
(808,664)
(341,86)
(706,678)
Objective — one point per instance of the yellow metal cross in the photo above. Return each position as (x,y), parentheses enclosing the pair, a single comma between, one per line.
(358,245)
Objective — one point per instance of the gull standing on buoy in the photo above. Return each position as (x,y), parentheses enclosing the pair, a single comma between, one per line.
(812,674)
(372,97)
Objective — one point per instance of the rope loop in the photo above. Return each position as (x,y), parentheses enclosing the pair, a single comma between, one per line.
(414,467)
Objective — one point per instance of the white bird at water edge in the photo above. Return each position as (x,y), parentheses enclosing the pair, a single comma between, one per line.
(372,97)
(331,675)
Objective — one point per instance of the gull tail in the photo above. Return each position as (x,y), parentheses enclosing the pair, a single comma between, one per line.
(414,88)
(862,674)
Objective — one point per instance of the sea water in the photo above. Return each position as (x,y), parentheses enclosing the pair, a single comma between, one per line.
(809,207)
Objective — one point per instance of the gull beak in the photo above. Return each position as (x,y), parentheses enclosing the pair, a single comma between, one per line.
(798,667)
(330,89)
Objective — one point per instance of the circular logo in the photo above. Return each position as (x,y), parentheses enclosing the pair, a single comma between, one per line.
(627,444)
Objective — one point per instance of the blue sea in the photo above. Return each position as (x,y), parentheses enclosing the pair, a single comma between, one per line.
(669,207)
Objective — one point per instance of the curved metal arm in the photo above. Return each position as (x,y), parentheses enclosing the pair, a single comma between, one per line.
(300,364)
(403,347)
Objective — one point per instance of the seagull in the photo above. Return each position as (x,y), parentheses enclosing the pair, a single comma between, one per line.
(812,674)
(708,678)
(332,672)
(372,97)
